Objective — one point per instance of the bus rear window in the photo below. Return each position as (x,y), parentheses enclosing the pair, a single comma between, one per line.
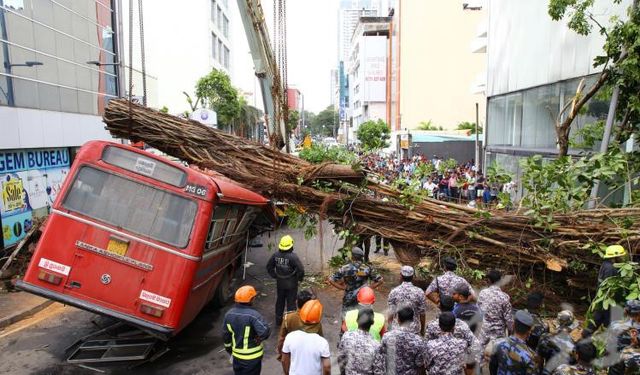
(146,166)
(132,206)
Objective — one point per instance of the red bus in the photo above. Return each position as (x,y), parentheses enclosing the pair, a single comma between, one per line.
(143,239)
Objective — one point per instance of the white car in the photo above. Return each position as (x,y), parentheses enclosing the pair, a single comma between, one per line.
(330,142)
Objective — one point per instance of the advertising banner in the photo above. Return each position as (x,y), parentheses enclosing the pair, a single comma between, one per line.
(29,180)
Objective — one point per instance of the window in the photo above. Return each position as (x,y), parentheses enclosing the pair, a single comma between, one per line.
(226,57)
(220,51)
(132,206)
(225,27)
(143,165)
(214,46)
(219,17)
(214,13)
(217,225)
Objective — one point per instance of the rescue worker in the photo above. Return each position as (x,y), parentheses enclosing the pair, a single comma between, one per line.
(497,316)
(602,317)
(357,348)
(534,303)
(352,276)
(407,294)
(585,352)
(630,356)
(511,355)
(244,330)
(293,322)
(445,354)
(620,337)
(556,349)
(401,351)
(366,298)
(286,268)
(444,284)
(306,353)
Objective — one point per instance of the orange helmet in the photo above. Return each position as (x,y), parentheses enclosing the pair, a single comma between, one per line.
(245,294)
(366,296)
(311,311)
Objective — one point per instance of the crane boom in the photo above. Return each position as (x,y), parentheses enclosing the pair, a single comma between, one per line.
(271,85)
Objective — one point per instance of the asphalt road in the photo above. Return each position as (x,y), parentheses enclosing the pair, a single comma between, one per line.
(37,346)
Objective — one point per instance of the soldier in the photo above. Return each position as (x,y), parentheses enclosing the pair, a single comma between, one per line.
(401,351)
(446,354)
(496,309)
(444,284)
(357,348)
(555,350)
(407,294)
(286,268)
(585,353)
(620,336)
(534,303)
(630,356)
(351,277)
(511,355)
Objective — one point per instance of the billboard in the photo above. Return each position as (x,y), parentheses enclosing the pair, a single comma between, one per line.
(29,181)
(374,57)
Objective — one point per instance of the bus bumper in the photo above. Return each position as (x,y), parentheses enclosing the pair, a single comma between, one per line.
(157,330)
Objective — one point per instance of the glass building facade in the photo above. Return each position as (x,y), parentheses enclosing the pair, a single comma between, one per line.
(45,49)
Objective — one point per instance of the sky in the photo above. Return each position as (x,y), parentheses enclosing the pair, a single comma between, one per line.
(311,45)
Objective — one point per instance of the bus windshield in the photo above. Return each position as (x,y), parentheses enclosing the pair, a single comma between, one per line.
(132,206)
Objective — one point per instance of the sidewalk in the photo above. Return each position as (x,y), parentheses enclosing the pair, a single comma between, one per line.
(16,306)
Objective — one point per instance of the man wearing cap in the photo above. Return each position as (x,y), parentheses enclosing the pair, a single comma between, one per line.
(407,294)
(286,268)
(357,348)
(497,316)
(556,349)
(466,309)
(445,354)
(401,351)
(511,355)
(352,276)
(585,353)
(444,284)
(244,330)
(621,336)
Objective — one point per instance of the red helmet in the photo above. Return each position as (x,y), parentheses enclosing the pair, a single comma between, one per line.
(366,296)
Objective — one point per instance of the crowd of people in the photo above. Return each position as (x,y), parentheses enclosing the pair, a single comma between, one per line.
(474,332)
(444,179)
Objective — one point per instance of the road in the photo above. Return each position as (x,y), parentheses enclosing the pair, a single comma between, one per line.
(37,346)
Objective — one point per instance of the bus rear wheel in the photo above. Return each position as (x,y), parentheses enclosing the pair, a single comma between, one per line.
(224,292)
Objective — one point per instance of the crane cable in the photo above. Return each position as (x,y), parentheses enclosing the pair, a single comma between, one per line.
(142,54)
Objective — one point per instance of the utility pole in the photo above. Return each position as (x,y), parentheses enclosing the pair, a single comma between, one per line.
(477,159)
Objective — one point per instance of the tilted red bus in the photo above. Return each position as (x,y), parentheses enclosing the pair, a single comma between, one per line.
(142,239)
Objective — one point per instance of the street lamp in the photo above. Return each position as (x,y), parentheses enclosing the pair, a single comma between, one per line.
(29,64)
(98,63)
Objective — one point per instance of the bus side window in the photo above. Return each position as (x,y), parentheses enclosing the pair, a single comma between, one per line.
(216,226)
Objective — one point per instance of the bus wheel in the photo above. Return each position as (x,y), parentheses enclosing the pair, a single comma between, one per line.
(223,293)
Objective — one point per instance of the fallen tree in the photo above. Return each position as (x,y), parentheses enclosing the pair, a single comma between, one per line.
(345,195)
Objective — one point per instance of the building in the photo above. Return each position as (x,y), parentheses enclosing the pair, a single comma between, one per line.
(56,77)
(525,92)
(433,68)
(367,69)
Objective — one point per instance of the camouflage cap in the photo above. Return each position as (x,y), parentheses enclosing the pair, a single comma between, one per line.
(356,251)
(406,271)
(633,306)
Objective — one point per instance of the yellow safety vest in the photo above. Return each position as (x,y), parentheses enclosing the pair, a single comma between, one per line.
(245,352)
(351,320)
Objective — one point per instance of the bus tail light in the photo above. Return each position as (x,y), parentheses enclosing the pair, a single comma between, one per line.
(151,310)
(49,277)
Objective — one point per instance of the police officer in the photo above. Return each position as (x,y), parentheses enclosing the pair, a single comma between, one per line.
(556,349)
(511,355)
(407,294)
(534,304)
(244,330)
(445,283)
(351,277)
(286,268)
(366,299)
(621,336)
(357,348)
(401,352)
(585,353)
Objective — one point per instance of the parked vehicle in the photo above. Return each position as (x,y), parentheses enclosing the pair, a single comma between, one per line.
(139,238)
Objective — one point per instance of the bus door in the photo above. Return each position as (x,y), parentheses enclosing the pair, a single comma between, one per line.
(130,230)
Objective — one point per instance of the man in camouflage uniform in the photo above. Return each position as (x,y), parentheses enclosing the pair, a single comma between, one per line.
(461,331)
(357,348)
(585,353)
(622,335)
(534,304)
(445,283)
(351,277)
(407,294)
(556,349)
(495,305)
(511,355)
(401,351)
(445,355)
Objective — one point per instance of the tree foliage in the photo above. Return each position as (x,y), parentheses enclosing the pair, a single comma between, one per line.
(469,126)
(293,121)
(319,153)
(326,123)
(428,126)
(216,92)
(373,135)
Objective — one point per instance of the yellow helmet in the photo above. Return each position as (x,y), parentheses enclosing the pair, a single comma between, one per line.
(614,251)
(286,243)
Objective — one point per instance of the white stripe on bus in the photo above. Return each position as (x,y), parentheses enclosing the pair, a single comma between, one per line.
(126,235)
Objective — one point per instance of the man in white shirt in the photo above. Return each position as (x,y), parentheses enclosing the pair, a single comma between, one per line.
(429,186)
(307,353)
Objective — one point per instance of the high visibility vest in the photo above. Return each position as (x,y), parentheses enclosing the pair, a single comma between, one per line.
(351,320)
(245,352)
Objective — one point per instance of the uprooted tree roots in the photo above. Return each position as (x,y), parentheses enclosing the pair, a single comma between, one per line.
(510,241)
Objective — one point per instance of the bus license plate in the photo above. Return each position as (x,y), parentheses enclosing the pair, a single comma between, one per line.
(117,247)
